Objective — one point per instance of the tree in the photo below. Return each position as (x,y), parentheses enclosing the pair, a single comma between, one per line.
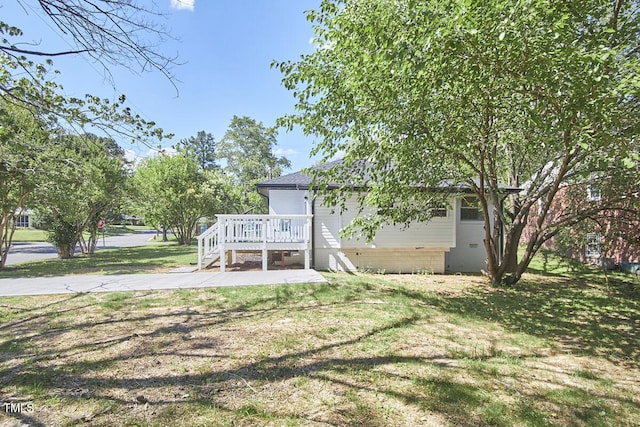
(202,147)
(89,181)
(112,32)
(103,186)
(60,232)
(247,149)
(109,31)
(23,163)
(613,231)
(171,192)
(537,95)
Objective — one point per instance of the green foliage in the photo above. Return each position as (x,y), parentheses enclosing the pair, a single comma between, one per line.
(247,148)
(536,95)
(86,181)
(42,97)
(32,106)
(171,191)
(22,166)
(63,234)
(202,147)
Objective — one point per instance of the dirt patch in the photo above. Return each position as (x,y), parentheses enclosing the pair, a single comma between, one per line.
(440,284)
(252,261)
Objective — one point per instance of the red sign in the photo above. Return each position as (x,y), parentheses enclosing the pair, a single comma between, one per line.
(101,223)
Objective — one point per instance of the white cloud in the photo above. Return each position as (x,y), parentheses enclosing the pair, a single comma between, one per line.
(168,151)
(183,4)
(285,152)
(131,155)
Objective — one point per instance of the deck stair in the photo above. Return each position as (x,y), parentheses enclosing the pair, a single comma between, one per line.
(208,247)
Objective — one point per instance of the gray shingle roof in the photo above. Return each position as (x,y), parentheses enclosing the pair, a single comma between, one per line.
(296,179)
(301,181)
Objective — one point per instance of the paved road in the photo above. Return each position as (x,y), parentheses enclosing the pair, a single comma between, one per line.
(141,282)
(33,251)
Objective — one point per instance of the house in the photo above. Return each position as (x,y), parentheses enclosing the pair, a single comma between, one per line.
(301,225)
(24,218)
(607,236)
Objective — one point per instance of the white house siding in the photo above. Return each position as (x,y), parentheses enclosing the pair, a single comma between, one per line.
(288,202)
(326,240)
(468,255)
(419,248)
(435,234)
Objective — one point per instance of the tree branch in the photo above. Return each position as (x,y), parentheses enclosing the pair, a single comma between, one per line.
(40,53)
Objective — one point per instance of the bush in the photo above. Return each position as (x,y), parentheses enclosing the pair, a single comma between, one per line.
(62,234)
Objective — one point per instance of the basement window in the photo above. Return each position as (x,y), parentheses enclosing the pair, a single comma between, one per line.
(439,212)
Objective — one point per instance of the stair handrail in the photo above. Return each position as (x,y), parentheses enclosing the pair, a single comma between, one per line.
(207,243)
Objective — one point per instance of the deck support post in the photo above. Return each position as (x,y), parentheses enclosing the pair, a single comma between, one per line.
(234,256)
(265,232)
(221,239)
(264,260)
(307,264)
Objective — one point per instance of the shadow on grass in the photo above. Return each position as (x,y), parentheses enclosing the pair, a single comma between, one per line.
(553,311)
(581,317)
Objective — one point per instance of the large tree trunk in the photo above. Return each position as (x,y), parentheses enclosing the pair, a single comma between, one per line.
(511,246)
(66,251)
(88,246)
(7,228)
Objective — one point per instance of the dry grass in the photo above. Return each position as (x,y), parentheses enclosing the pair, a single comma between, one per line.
(362,350)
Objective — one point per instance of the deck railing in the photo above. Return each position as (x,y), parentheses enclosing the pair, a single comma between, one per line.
(265,228)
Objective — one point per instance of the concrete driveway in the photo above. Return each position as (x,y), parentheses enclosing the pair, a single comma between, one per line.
(142,282)
(22,252)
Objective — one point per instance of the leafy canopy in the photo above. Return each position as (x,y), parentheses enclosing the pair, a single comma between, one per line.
(537,94)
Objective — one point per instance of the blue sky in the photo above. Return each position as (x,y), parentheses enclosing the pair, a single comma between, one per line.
(225,48)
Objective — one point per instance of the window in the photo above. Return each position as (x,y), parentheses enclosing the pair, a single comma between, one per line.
(22,221)
(593,192)
(592,246)
(470,209)
(439,212)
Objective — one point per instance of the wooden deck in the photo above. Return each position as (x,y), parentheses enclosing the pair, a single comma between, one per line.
(254,233)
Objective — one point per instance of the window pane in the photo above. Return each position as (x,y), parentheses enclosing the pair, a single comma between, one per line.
(470,209)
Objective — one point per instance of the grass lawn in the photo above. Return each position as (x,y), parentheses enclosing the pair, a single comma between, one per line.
(34,235)
(156,257)
(29,235)
(361,350)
